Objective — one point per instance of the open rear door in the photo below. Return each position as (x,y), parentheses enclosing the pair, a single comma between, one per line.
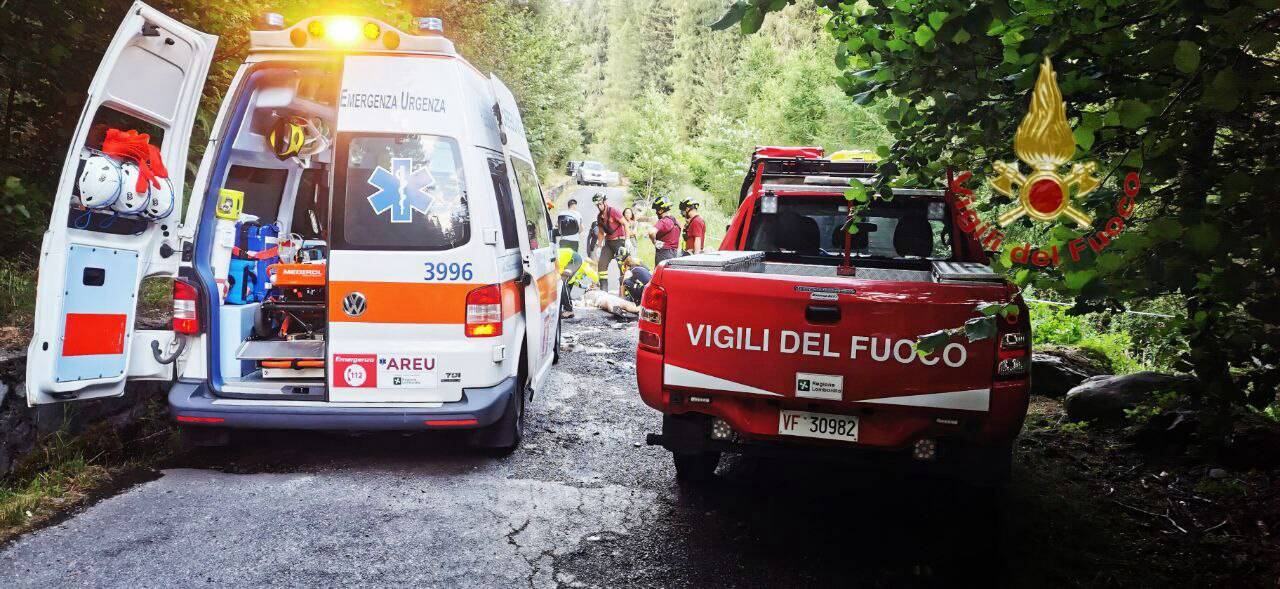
(93,262)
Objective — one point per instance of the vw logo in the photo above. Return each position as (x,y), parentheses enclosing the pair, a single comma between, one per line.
(354,304)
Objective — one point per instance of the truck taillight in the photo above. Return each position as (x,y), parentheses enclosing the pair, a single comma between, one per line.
(1013,358)
(186,314)
(484,311)
(653,305)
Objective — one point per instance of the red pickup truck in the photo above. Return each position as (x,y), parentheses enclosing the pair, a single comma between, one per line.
(770,347)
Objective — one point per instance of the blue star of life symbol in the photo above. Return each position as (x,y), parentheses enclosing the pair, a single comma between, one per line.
(402,190)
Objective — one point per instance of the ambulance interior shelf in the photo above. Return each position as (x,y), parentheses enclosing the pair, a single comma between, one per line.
(270,248)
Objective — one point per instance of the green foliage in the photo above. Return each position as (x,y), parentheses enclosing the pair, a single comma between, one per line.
(1156,404)
(17,292)
(710,94)
(1184,93)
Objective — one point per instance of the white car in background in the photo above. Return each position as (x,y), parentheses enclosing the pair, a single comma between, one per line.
(594,174)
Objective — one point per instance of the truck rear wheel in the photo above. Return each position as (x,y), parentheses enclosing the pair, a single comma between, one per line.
(697,466)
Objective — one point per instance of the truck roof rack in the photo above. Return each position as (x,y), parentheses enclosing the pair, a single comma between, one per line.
(908,192)
(801,167)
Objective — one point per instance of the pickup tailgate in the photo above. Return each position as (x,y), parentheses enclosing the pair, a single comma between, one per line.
(825,338)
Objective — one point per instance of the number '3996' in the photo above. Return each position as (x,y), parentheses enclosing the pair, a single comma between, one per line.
(446,271)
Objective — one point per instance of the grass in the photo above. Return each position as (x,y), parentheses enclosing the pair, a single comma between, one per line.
(1050,324)
(64,470)
(17,292)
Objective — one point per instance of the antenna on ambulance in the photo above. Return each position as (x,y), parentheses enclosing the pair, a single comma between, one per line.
(429,25)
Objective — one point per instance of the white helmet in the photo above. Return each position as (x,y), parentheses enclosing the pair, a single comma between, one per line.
(100,182)
(131,202)
(160,203)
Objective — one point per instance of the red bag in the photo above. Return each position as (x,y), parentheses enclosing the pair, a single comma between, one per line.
(137,147)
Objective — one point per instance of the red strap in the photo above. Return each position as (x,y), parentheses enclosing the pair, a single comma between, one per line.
(137,147)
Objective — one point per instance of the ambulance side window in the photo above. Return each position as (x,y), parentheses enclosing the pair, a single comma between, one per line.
(535,208)
(506,208)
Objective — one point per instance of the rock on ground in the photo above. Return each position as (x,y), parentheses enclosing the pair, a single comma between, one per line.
(1058,369)
(1104,398)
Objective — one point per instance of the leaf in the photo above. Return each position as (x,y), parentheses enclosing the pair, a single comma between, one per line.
(1223,93)
(1020,278)
(989,309)
(961,36)
(997,27)
(856,192)
(1133,113)
(1204,237)
(896,45)
(21,208)
(1186,57)
(979,328)
(1084,137)
(751,20)
(1077,280)
(923,35)
(936,19)
(1165,228)
(731,16)
(930,342)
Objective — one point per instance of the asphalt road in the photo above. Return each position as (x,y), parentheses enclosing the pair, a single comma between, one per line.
(582,504)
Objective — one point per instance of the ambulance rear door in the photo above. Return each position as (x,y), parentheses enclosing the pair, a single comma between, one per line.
(92,263)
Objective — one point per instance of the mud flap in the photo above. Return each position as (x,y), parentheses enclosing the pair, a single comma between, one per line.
(686,433)
(506,432)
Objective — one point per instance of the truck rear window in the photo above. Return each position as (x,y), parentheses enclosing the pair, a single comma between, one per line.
(400,192)
(905,228)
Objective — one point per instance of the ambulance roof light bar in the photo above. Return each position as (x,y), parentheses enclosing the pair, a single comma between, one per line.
(331,33)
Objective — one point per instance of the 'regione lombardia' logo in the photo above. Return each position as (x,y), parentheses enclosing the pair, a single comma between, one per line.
(1044,142)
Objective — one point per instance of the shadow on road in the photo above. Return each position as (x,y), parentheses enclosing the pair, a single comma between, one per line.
(253,451)
(790,524)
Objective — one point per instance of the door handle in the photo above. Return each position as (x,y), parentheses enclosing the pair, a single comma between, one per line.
(822,314)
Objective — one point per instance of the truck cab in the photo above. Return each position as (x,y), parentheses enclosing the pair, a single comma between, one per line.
(365,245)
(799,337)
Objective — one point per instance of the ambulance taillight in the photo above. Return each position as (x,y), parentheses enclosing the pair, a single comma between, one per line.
(484,311)
(653,305)
(186,315)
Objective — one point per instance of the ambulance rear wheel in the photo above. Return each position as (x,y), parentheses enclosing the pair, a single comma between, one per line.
(696,466)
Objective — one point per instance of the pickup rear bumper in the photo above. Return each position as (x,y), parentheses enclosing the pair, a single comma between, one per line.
(882,426)
(689,433)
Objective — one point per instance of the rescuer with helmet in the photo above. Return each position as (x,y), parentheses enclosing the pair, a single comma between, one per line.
(695,229)
(635,276)
(612,230)
(665,233)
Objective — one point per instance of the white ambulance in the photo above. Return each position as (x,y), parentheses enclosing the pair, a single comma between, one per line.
(364,247)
